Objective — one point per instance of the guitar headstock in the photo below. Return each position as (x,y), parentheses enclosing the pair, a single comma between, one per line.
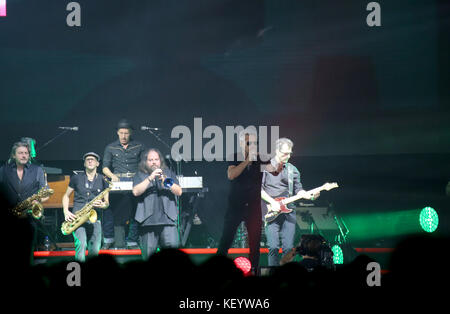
(329,186)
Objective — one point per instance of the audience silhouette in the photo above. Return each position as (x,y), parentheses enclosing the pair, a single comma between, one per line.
(170,276)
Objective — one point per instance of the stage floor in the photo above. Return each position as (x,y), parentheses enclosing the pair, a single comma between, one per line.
(198,255)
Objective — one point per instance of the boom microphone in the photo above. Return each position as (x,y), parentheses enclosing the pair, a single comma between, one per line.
(145,128)
(69,128)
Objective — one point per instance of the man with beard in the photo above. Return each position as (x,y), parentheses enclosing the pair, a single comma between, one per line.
(156,188)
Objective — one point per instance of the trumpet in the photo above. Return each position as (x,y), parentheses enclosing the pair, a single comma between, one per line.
(165,181)
(168,182)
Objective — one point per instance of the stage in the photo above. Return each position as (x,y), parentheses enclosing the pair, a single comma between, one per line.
(197,255)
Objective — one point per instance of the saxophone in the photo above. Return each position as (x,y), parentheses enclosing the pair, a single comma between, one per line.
(27,206)
(87,212)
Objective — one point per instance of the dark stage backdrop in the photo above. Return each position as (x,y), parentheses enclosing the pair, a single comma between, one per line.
(334,85)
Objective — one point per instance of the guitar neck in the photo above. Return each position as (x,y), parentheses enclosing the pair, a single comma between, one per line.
(297,197)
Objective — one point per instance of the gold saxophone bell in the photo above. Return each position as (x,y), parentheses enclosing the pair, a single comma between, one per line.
(93,216)
(37,210)
(29,206)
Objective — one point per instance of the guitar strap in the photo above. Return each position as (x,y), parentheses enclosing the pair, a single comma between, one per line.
(263,179)
(290,170)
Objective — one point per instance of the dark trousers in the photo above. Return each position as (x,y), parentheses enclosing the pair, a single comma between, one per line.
(152,236)
(250,213)
(282,228)
(115,218)
(34,232)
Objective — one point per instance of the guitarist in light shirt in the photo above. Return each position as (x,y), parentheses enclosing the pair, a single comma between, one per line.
(276,184)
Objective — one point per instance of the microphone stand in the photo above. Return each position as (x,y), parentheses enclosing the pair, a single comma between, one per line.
(51,140)
(39,223)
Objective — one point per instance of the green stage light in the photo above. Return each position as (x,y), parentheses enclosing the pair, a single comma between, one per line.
(390,222)
(429,219)
(32,145)
(338,255)
(32,148)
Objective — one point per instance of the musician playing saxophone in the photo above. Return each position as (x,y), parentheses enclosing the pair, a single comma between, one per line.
(20,179)
(283,182)
(87,186)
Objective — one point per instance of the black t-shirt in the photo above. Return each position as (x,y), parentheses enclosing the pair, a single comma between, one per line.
(86,190)
(247,186)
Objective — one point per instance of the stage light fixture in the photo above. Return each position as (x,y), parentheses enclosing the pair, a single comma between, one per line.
(243,263)
(429,219)
(338,255)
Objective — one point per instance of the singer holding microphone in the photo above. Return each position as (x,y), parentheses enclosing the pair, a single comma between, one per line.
(120,163)
(244,172)
(156,188)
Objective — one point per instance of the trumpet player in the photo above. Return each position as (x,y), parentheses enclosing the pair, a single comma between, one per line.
(87,186)
(156,188)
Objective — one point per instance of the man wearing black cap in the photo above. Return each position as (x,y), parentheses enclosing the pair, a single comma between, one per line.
(120,163)
(87,186)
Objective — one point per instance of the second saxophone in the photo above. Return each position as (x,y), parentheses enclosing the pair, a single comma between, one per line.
(86,213)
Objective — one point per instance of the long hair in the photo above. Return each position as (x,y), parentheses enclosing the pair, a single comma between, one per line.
(16,145)
(143,162)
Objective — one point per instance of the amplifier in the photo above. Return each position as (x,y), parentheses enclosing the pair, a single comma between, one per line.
(321,217)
